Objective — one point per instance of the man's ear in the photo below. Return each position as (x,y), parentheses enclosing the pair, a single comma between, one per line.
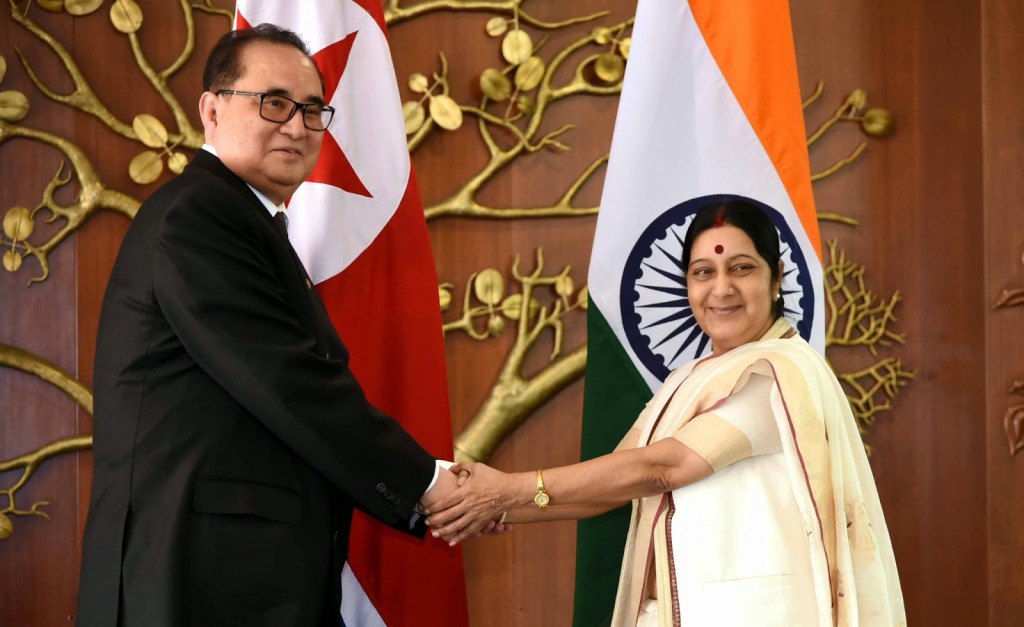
(208,104)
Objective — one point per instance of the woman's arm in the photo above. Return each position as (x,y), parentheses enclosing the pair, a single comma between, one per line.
(531,513)
(614,478)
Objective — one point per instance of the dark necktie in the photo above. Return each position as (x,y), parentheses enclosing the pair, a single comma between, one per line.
(281,223)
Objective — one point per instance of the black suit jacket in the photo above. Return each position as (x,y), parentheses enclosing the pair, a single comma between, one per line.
(231,440)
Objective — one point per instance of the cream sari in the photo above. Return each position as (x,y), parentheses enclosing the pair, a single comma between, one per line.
(791,538)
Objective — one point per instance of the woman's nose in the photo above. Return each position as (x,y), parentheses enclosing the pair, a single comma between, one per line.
(723,286)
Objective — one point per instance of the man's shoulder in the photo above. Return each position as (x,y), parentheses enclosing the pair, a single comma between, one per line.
(199,187)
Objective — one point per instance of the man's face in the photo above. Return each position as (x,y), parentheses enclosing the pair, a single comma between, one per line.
(274,158)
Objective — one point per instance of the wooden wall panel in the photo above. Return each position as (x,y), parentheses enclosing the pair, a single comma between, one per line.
(39,563)
(1003,254)
(917,196)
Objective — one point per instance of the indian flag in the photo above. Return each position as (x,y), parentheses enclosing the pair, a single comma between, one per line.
(710,111)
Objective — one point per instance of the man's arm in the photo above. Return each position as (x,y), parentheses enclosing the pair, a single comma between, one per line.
(225,290)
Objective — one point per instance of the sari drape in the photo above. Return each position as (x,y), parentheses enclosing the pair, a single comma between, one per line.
(794,538)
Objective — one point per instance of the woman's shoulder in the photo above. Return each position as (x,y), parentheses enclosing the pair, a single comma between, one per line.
(789,349)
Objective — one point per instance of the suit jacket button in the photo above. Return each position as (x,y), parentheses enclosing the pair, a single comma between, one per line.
(381,488)
(396,499)
(390,494)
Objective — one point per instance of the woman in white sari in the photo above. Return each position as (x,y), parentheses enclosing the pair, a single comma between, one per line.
(753,501)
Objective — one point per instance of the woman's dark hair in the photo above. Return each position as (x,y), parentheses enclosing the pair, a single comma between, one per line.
(224,66)
(750,219)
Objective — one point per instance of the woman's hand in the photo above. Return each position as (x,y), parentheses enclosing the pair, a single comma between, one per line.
(475,507)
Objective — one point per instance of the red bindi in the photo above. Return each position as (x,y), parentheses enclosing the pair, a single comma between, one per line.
(719,249)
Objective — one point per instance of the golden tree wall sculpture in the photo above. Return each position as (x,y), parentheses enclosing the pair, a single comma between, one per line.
(510,117)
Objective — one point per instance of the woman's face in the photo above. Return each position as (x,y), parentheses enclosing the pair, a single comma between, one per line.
(730,288)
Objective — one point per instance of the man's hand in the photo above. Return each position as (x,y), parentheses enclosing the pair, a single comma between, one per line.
(478,502)
(445,486)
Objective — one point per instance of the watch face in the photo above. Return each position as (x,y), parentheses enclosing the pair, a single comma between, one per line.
(541,499)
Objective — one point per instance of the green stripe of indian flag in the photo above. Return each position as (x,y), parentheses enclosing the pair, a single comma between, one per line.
(682,133)
(613,396)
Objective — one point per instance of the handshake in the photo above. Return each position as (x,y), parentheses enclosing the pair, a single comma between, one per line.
(470,499)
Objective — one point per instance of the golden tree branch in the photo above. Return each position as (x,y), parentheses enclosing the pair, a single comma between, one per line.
(840,164)
(394,13)
(19,359)
(92,196)
(824,216)
(511,401)
(819,89)
(190,43)
(463,202)
(83,98)
(208,8)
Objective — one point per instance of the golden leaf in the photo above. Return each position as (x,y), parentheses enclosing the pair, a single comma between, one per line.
(18,224)
(145,167)
(583,297)
(858,99)
(525,104)
(446,112)
(13,105)
(528,74)
(495,84)
(602,34)
(495,326)
(150,131)
(516,47)
(496,26)
(56,6)
(563,285)
(177,162)
(609,67)
(6,527)
(3,67)
(877,122)
(419,83)
(445,297)
(12,261)
(489,286)
(126,16)
(82,7)
(511,306)
(414,116)
(624,47)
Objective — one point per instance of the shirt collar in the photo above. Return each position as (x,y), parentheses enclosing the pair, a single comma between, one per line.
(271,207)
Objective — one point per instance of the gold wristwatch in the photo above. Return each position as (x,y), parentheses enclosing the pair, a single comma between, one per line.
(542,499)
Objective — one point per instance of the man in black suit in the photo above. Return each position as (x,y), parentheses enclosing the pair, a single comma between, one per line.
(231,440)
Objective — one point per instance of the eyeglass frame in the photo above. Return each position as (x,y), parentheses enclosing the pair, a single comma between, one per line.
(295,106)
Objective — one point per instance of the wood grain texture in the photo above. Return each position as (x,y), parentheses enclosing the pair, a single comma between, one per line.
(1003,158)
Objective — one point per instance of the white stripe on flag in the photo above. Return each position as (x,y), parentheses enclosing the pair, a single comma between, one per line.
(680,134)
(356,608)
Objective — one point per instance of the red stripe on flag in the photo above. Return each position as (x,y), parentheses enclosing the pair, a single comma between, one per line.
(385,307)
(376,10)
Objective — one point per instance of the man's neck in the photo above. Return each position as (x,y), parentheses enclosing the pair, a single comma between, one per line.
(271,206)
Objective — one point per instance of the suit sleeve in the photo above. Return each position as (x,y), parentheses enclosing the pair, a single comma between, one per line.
(224,294)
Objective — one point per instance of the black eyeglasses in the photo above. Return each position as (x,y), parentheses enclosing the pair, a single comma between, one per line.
(279,109)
